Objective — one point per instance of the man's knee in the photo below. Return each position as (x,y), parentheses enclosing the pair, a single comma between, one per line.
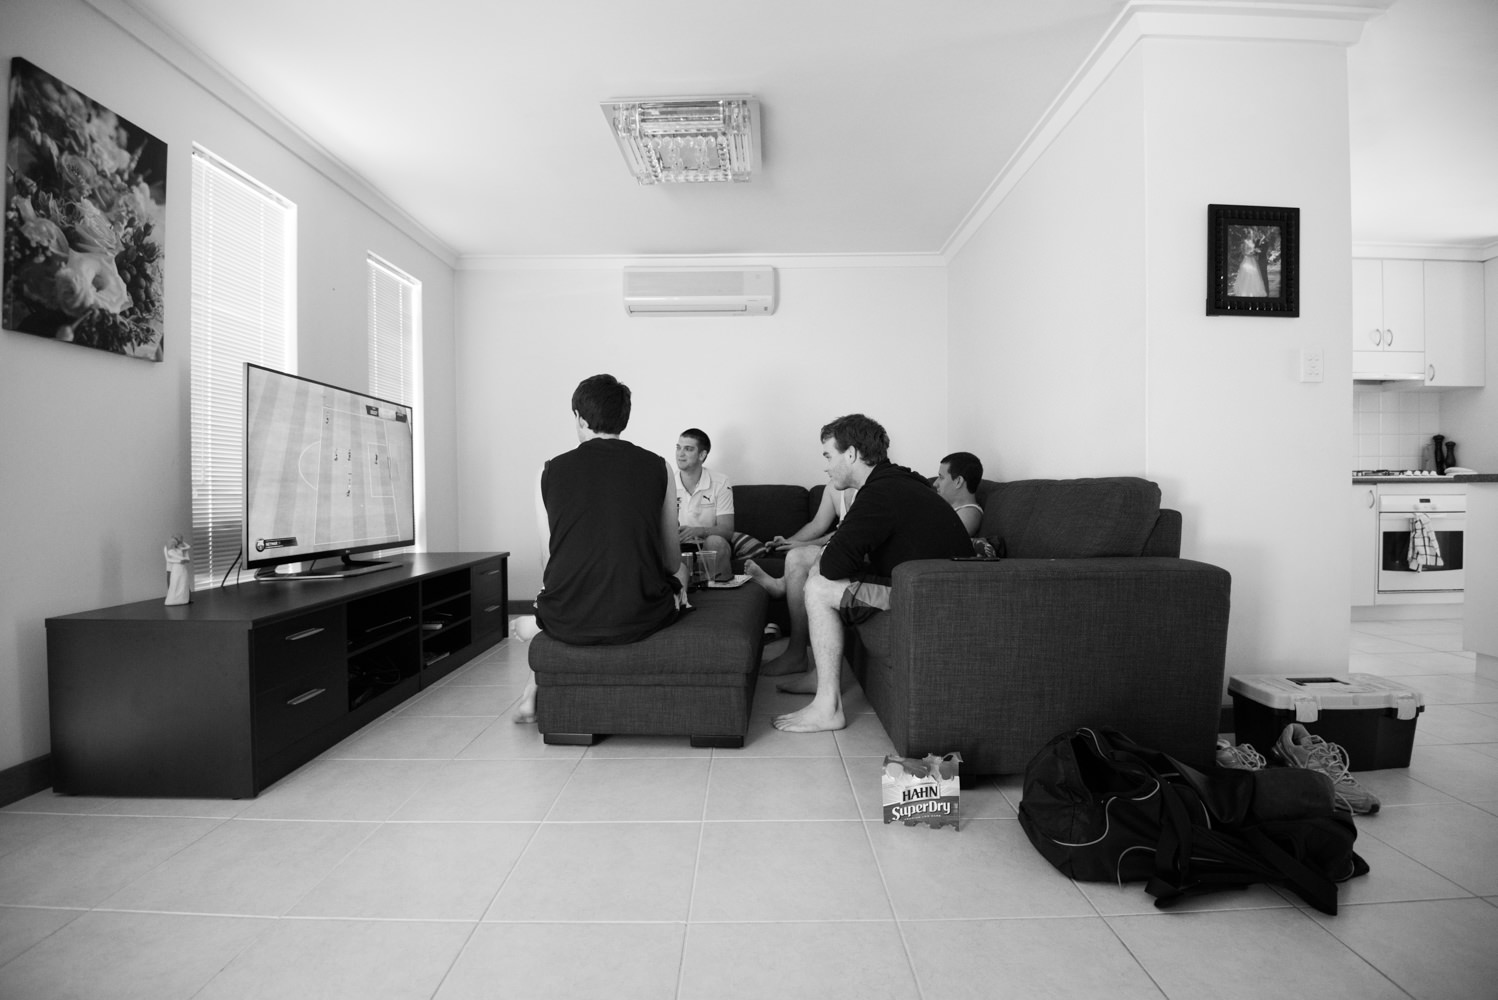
(823,592)
(801,559)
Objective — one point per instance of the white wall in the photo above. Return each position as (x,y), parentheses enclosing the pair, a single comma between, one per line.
(1256,460)
(844,340)
(1047,307)
(96,449)
(1083,297)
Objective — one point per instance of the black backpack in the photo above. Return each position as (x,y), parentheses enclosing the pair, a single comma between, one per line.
(1101,808)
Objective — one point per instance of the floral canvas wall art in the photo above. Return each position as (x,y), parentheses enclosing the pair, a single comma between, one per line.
(85,210)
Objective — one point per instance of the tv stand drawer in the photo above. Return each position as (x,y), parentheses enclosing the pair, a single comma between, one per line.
(298,709)
(297,646)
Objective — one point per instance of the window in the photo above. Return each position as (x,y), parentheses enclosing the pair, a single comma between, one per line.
(394,308)
(395,357)
(243,309)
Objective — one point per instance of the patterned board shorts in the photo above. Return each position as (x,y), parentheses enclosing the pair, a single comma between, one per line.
(862,600)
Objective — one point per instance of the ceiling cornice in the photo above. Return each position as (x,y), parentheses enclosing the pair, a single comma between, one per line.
(492,262)
(213,79)
(1334,24)
(1426,251)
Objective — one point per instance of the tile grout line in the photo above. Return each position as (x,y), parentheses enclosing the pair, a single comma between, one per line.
(889,899)
(686,930)
(473,932)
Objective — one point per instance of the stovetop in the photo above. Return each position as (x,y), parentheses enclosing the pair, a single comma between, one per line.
(1397,474)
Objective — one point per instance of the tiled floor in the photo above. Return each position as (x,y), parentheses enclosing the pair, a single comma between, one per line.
(445,852)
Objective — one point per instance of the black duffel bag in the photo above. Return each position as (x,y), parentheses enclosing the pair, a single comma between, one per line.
(1102,808)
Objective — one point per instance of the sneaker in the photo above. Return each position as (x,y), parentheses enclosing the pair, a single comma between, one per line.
(1297,747)
(1242,757)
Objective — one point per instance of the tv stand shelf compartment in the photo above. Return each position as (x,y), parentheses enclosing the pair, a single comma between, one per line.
(224,696)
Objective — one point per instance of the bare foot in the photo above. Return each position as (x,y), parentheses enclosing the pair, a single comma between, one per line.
(803,683)
(525,709)
(792,661)
(774,585)
(811,719)
(525,627)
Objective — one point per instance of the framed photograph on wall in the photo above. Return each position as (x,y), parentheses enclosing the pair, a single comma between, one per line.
(1253,261)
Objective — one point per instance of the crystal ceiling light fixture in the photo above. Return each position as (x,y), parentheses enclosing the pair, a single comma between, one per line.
(687,139)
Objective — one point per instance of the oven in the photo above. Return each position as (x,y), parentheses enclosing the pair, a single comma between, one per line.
(1444,517)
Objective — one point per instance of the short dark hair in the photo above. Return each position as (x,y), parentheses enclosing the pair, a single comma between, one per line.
(861,432)
(603,402)
(700,436)
(967,465)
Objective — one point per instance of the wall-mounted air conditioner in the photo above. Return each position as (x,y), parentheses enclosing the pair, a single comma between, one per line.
(699,291)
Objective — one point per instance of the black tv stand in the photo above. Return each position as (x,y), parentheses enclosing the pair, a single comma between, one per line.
(221,697)
(349,567)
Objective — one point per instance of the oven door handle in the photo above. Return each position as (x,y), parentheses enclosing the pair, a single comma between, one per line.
(1405,516)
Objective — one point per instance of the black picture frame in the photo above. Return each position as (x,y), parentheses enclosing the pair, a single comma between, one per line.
(1253,261)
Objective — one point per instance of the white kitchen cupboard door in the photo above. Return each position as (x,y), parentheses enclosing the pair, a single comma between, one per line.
(1454,323)
(1367,305)
(1363,545)
(1388,319)
(1388,305)
(1404,305)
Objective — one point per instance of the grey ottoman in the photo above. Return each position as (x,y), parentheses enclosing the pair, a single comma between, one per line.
(694,679)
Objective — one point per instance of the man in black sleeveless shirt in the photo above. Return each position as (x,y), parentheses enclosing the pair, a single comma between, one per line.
(611,551)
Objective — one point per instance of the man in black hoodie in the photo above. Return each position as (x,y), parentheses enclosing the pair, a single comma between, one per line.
(897,517)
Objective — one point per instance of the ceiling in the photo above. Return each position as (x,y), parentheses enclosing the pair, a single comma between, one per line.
(884,122)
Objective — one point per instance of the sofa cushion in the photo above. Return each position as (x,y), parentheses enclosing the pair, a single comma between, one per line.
(1070,518)
(764,511)
(717,644)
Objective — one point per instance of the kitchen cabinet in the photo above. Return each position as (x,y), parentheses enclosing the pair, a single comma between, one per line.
(1363,548)
(1455,353)
(1388,318)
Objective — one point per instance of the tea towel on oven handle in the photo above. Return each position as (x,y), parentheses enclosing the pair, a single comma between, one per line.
(1425,550)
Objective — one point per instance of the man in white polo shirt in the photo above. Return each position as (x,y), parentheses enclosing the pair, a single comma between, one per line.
(704,502)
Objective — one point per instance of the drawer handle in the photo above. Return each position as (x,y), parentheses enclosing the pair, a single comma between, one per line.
(305,633)
(306,696)
(491,609)
(438,658)
(489,572)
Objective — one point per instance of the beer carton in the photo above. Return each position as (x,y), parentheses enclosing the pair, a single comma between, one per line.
(921,791)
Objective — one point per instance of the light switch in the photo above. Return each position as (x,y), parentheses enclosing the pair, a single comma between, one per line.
(1312,364)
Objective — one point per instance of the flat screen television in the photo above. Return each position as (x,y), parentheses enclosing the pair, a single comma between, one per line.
(328,472)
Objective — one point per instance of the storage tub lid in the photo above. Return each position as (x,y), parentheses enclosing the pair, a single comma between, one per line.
(1307,695)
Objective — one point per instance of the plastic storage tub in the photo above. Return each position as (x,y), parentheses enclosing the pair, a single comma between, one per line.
(1373,718)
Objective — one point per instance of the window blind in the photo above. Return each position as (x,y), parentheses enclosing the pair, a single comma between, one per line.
(393,310)
(243,309)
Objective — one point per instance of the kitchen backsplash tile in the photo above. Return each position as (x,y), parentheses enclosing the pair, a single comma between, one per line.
(1390,427)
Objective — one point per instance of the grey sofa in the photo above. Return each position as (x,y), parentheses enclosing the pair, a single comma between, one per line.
(1092,618)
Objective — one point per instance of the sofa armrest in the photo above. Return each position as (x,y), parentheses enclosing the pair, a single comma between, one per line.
(1001,656)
